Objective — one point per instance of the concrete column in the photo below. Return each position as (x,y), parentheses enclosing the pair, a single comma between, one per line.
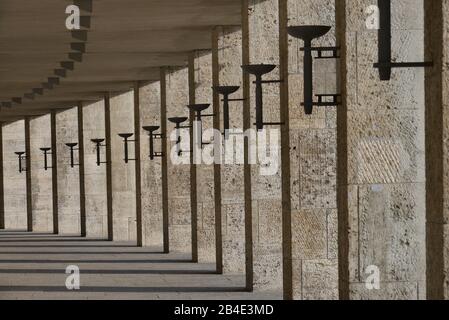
(68,178)
(151,180)
(81,171)
(123,175)
(437,163)
(203,182)
(29,194)
(2,189)
(54,172)
(179,209)
(108,161)
(138,166)
(264,216)
(15,194)
(228,46)
(165,160)
(95,176)
(313,161)
(381,146)
(41,180)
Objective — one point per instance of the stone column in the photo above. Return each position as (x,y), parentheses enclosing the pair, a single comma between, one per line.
(54,172)
(68,177)
(263,191)
(151,180)
(41,180)
(81,170)
(15,196)
(313,161)
(437,163)
(108,162)
(123,175)
(179,210)
(228,46)
(29,193)
(381,146)
(2,191)
(95,176)
(202,184)
(165,160)
(138,165)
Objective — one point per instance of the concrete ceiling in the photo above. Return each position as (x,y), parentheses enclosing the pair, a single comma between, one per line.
(120,41)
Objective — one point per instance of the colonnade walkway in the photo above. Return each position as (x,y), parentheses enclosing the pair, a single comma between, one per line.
(33,266)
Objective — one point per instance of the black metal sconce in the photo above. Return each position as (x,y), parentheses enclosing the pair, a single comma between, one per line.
(198,109)
(46,152)
(151,132)
(307,34)
(21,156)
(259,70)
(72,149)
(385,65)
(99,144)
(178,121)
(126,140)
(226,91)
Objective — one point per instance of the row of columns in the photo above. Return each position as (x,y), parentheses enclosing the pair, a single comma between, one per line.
(353,179)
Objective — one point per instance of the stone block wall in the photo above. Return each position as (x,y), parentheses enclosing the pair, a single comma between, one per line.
(180,219)
(123,175)
(68,178)
(41,180)
(13,181)
(95,176)
(150,107)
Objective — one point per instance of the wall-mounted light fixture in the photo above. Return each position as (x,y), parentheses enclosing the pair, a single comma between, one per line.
(21,156)
(46,152)
(126,140)
(307,34)
(198,109)
(151,132)
(178,121)
(385,64)
(259,70)
(98,145)
(72,157)
(226,91)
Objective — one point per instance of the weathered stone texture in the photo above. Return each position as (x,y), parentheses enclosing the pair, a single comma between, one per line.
(313,156)
(95,177)
(41,180)
(386,155)
(266,190)
(178,175)
(232,180)
(150,114)
(123,175)
(68,178)
(14,182)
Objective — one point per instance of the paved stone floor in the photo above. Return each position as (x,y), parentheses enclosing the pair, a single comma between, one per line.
(32,266)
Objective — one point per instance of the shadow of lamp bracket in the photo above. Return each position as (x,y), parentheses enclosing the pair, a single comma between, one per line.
(308,34)
(98,145)
(21,156)
(46,152)
(259,70)
(151,133)
(385,64)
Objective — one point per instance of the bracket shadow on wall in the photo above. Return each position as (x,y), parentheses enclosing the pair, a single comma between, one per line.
(72,158)
(385,64)
(46,152)
(126,140)
(98,145)
(21,156)
(151,133)
(198,109)
(178,121)
(226,91)
(308,34)
(259,70)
